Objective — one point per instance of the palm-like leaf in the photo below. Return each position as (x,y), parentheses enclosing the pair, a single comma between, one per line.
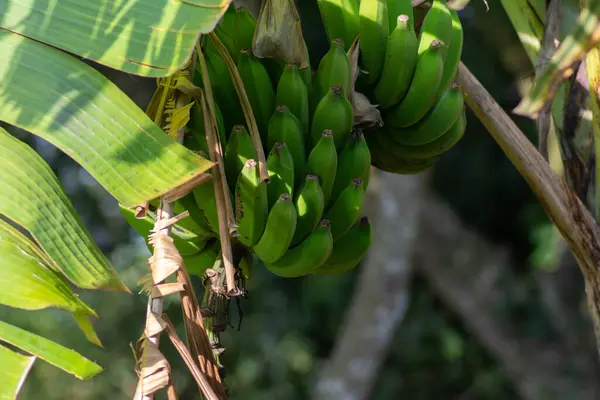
(149,37)
(52,94)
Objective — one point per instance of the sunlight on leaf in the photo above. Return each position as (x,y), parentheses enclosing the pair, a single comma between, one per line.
(14,372)
(31,196)
(149,38)
(49,351)
(77,109)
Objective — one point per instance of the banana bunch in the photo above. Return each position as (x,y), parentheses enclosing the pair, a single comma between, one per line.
(408,69)
(306,219)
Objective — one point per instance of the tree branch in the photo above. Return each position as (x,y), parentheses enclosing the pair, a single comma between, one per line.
(567,212)
(474,279)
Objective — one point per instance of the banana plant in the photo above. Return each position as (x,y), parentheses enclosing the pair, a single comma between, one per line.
(46,88)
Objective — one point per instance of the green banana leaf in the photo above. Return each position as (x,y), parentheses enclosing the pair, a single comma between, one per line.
(27,283)
(47,350)
(31,196)
(68,103)
(12,378)
(150,37)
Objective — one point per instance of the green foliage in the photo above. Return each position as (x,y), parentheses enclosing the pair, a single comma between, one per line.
(148,38)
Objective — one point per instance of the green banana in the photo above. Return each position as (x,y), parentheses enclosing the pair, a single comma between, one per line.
(197,127)
(306,73)
(251,207)
(280,165)
(397,8)
(385,161)
(258,88)
(340,19)
(246,265)
(333,69)
(349,250)
(429,150)
(204,195)
(436,122)
(308,256)
(454,53)
(373,37)
(185,241)
(399,64)
(225,31)
(222,86)
(196,222)
(197,264)
(245,25)
(335,113)
(322,161)
(285,127)
(437,25)
(309,205)
(346,208)
(293,93)
(422,93)
(279,231)
(354,161)
(239,149)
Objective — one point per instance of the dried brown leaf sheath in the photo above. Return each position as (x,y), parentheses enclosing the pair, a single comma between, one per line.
(271,41)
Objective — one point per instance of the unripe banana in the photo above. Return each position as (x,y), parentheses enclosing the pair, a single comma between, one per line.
(245,25)
(258,88)
(385,161)
(437,121)
(335,113)
(197,264)
(293,93)
(308,256)
(204,195)
(280,165)
(397,8)
(195,222)
(239,149)
(346,209)
(373,37)
(453,55)
(279,231)
(429,150)
(306,73)
(197,127)
(322,161)
(348,250)
(251,206)
(437,25)
(340,19)
(423,89)
(334,69)
(222,86)
(399,64)
(285,127)
(185,241)
(309,205)
(354,161)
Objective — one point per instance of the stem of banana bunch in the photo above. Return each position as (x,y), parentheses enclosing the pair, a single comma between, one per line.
(164,213)
(574,221)
(246,107)
(222,195)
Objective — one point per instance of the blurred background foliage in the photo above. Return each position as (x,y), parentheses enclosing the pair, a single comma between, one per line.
(289,326)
